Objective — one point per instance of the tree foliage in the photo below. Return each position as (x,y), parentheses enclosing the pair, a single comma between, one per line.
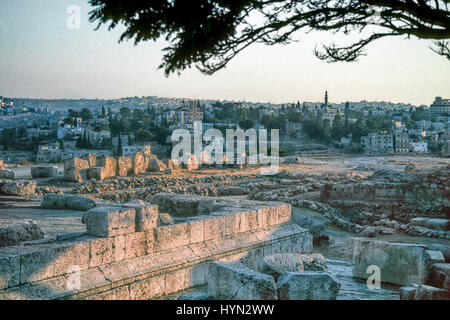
(208,34)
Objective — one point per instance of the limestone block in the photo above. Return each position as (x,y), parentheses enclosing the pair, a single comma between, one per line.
(139,163)
(251,220)
(276,264)
(37,264)
(7,174)
(408,292)
(308,285)
(146,214)
(232,223)
(284,213)
(172,236)
(63,201)
(44,172)
(124,166)
(440,276)
(102,252)
(431,223)
(215,228)
(136,245)
(177,205)
(121,293)
(271,216)
(77,175)
(98,173)
(76,163)
(91,158)
(12,234)
(21,188)
(234,281)
(315,227)
(165,219)
(119,247)
(425,292)
(175,281)
(196,231)
(444,249)
(66,256)
(430,258)
(400,263)
(110,165)
(110,221)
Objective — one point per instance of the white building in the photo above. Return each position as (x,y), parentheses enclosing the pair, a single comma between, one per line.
(129,151)
(419,147)
(440,106)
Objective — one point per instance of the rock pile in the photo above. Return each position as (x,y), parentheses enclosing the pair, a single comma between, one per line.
(15,233)
(21,188)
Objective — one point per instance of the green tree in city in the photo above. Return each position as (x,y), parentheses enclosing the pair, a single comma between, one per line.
(86,114)
(119,146)
(338,128)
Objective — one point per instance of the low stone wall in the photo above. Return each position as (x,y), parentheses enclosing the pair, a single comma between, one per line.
(402,197)
(130,264)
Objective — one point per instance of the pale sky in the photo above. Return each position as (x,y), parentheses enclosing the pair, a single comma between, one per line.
(41,58)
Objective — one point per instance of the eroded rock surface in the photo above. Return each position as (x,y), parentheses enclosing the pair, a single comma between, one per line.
(15,233)
(308,285)
(277,264)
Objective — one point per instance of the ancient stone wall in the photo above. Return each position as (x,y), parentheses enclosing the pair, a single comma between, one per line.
(422,194)
(127,256)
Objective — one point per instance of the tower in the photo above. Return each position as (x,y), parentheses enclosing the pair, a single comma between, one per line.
(326,100)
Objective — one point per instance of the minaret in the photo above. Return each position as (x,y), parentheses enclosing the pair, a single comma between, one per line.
(326,100)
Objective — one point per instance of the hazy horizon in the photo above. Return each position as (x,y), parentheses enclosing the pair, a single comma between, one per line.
(42,59)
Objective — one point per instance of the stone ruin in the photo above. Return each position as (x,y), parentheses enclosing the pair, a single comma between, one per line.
(422,271)
(126,253)
(99,168)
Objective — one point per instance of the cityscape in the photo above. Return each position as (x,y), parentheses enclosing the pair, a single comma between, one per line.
(41,131)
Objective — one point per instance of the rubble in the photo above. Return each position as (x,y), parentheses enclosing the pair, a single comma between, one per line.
(12,234)
(22,188)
